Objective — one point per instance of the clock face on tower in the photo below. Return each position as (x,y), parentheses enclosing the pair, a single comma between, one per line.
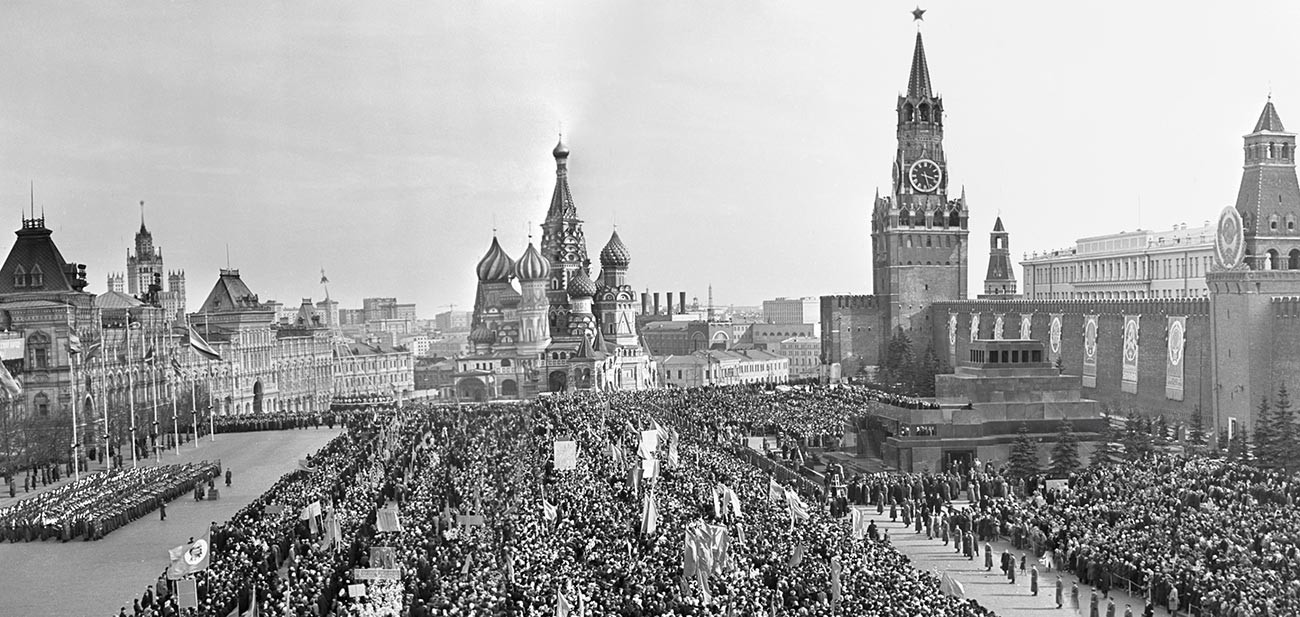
(925,175)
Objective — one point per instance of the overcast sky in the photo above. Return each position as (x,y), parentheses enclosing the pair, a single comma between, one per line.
(736,143)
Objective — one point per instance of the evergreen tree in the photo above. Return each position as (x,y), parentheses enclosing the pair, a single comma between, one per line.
(923,375)
(1283,433)
(898,361)
(1137,438)
(1160,431)
(1106,452)
(1024,455)
(1239,448)
(1065,454)
(1266,447)
(1221,441)
(1196,428)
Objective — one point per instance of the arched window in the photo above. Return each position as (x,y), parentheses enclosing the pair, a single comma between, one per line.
(1293,262)
(924,110)
(1270,260)
(35,278)
(38,350)
(954,218)
(1272,222)
(20,277)
(909,112)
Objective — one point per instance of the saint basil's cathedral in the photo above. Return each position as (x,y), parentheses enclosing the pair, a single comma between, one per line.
(560,330)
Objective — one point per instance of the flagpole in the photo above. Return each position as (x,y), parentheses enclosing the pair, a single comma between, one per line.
(76,460)
(130,388)
(176,425)
(194,407)
(212,424)
(153,378)
(103,393)
(99,326)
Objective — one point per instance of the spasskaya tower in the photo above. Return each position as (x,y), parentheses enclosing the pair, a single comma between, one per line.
(918,234)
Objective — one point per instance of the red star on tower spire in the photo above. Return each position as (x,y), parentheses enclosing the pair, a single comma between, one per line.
(918,14)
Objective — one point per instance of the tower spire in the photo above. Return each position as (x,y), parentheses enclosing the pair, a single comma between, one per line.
(141,215)
(918,83)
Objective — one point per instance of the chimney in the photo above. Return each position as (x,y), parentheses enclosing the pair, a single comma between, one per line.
(669,296)
(681,301)
(656,303)
(645,303)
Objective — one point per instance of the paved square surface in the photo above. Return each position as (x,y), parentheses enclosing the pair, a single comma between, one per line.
(991,588)
(77,578)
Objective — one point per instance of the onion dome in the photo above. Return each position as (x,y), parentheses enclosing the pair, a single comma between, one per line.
(496,266)
(482,335)
(615,253)
(580,286)
(531,266)
(561,151)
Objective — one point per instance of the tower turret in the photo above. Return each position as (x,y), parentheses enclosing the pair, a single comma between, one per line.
(534,327)
(1000,280)
(563,243)
(1269,198)
(614,301)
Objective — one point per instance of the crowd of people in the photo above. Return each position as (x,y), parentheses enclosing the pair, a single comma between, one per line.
(810,415)
(98,504)
(274,421)
(1182,531)
(490,526)
(491,523)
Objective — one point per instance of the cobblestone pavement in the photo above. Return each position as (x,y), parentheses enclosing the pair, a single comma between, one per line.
(992,588)
(77,578)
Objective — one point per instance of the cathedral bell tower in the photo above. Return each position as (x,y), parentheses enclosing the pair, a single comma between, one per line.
(918,234)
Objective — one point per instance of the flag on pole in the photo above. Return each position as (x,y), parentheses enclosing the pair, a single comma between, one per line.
(649,515)
(798,510)
(93,350)
(74,343)
(189,558)
(176,367)
(836,586)
(549,512)
(951,586)
(774,490)
(734,500)
(8,382)
(797,556)
(562,607)
(252,604)
(323,280)
(148,355)
(201,346)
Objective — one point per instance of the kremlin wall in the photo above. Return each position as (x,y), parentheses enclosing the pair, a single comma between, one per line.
(1066,348)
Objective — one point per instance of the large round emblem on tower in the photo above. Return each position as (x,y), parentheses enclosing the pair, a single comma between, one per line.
(925,175)
(1229,239)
